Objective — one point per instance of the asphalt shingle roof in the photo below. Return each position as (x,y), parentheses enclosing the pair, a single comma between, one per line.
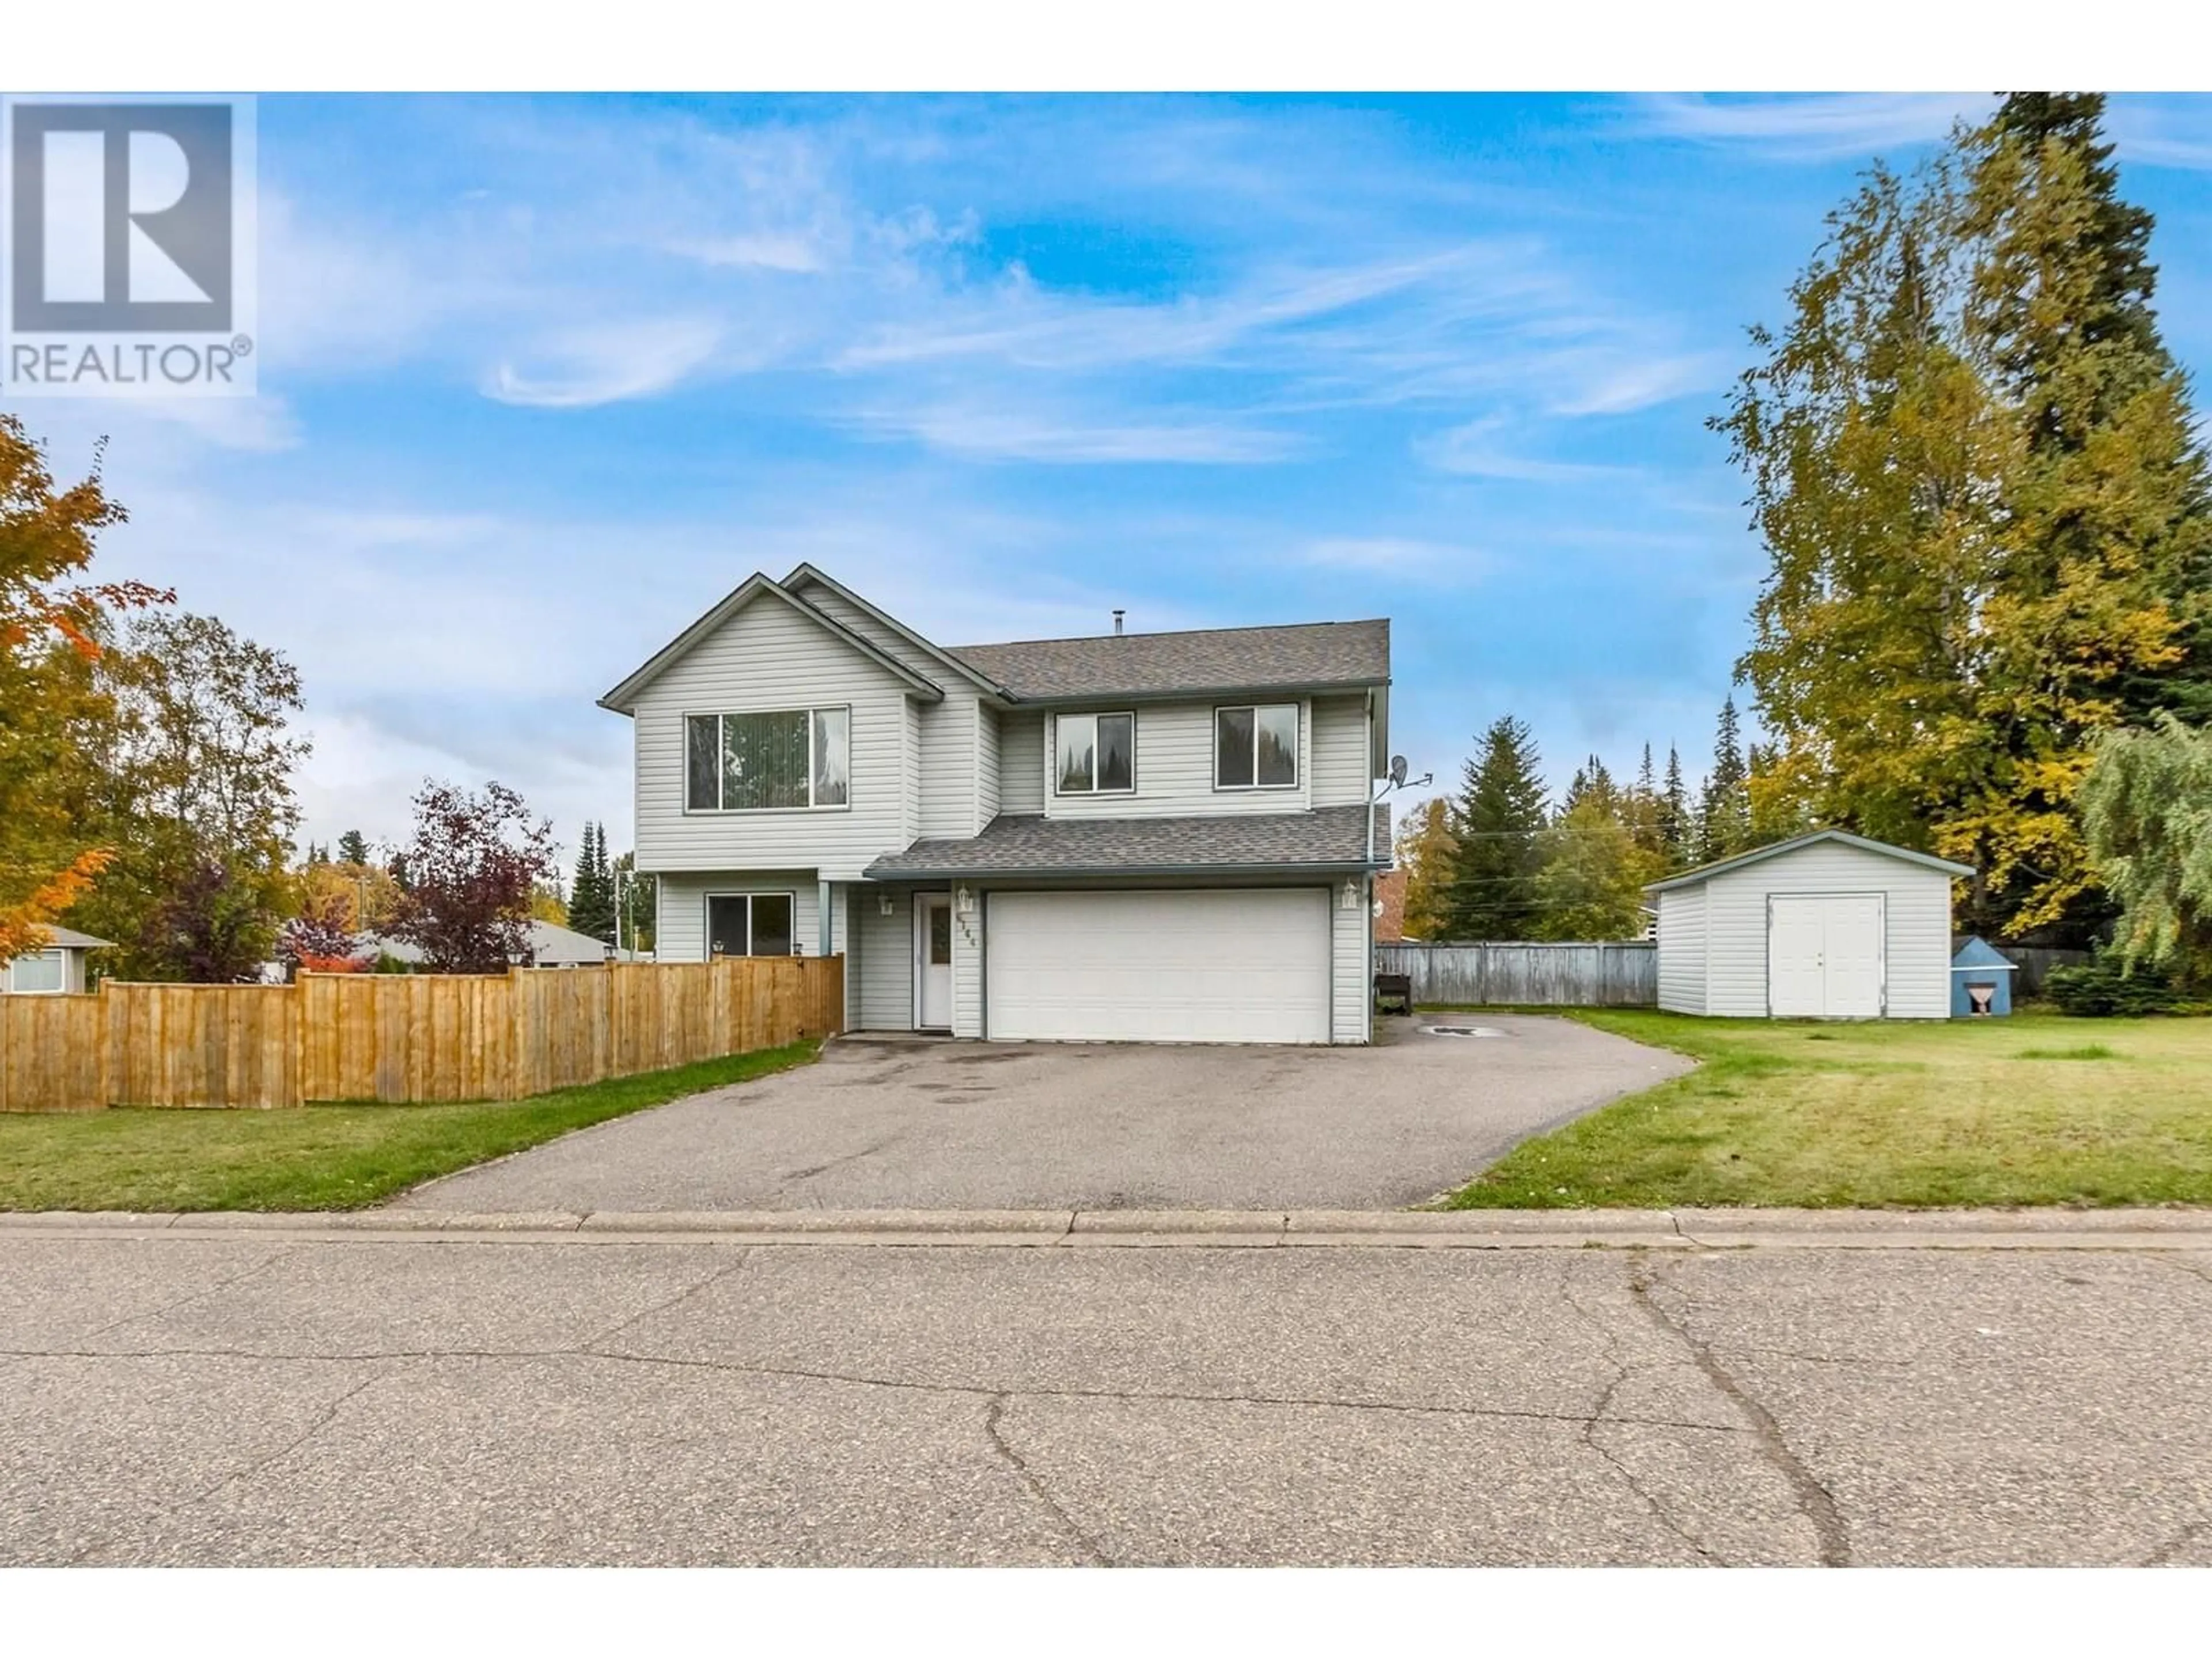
(1207,660)
(1027,844)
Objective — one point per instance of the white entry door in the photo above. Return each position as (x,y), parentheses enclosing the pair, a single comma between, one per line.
(932,961)
(1823,956)
(1214,965)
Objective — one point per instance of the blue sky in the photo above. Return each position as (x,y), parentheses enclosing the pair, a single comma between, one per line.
(543,379)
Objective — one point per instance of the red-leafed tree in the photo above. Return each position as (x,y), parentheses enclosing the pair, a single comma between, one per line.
(318,940)
(470,867)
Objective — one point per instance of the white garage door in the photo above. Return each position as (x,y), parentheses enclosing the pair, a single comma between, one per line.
(1824,955)
(1210,966)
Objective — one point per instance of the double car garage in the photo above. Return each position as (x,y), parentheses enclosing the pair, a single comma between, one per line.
(1198,965)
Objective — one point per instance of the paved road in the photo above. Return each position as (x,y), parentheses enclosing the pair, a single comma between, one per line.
(271,1398)
(940,1125)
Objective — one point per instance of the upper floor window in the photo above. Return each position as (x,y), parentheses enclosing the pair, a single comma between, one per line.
(756,762)
(1098,753)
(1257,747)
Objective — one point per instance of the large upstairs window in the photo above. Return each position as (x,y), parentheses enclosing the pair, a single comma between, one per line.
(769,761)
(1096,753)
(1256,746)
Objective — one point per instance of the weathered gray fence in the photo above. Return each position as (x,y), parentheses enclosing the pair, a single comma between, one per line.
(1614,976)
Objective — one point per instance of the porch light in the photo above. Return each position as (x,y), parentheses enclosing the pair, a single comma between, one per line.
(882,904)
(1350,901)
(963,900)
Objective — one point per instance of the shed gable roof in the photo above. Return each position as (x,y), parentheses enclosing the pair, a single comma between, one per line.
(1760,855)
(754,588)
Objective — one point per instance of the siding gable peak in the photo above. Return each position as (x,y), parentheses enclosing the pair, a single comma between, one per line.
(759,586)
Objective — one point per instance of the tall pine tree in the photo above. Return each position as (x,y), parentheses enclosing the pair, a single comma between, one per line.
(592,895)
(1724,813)
(1497,851)
(1677,826)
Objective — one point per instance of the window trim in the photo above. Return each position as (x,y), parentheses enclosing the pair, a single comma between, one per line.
(717,715)
(1052,752)
(1298,752)
(60,954)
(707,911)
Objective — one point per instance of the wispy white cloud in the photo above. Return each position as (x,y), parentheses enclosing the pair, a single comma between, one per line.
(1815,127)
(1477,449)
(612,363)
(2155,134)
(1410,558)
(1013,434)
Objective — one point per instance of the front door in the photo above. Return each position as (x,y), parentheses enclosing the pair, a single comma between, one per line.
(932,952)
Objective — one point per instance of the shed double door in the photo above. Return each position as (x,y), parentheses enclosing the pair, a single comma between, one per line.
(1823,956)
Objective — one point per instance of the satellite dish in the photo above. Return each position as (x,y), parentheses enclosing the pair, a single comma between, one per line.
(1397,771)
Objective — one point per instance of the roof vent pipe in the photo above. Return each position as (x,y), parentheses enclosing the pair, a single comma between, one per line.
(1118,615)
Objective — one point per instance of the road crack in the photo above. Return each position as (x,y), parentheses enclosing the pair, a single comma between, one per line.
(994,1430)
(1815,1501)
(857,1379)
(1599,1415)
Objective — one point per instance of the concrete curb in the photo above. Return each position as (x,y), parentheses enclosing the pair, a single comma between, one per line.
(1671,1230)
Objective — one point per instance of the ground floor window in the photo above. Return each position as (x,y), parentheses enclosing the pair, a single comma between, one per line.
(750,925)
(41,971)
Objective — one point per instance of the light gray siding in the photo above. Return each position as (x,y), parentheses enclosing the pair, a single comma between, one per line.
(1175,772)
(949,730)
(968,965)
(768,656)
(1682,950)
(1341,751)
(1350,933)
(1021,761)
(885,975)
(987,763)
(1916,942)
(680,925)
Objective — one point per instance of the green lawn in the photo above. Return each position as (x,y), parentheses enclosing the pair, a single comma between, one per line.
(314,1157)
(2033,1109)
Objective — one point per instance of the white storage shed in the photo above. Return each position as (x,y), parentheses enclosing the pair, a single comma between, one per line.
(1829,926)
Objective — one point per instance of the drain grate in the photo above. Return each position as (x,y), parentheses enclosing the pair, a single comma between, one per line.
(1463,1031)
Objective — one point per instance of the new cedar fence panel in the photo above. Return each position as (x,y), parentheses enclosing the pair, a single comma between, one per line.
(403,1037)
(1623,975)
(53,1053)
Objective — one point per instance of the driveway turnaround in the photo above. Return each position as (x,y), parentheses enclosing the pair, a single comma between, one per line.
(922,1124)
(280,1393)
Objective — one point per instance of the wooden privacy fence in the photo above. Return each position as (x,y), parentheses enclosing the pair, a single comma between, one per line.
(403,1037)
(1623,974)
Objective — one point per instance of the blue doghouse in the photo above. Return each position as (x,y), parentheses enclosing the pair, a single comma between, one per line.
(1981,981)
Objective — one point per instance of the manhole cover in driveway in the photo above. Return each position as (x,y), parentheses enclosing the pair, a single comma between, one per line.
(1463,1031)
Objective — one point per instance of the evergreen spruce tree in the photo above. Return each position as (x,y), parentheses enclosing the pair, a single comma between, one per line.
(352,847)
(1724,817)
(1497,851)
(592,896)
(1677,832)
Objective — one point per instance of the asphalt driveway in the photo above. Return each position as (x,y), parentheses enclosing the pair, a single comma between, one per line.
(901,1123)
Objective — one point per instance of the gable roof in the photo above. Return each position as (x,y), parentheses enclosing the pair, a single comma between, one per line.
(1978,952)
(67,938)
(1296,657)
(1760,855)
(805,576)
(755,586)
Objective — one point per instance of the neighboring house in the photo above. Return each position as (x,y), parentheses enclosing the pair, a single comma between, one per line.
(1390,908)
(550,947)
(1146,836)
(1827,926)
(58,969)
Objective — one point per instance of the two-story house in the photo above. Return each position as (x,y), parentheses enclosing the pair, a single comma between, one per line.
(1165,837)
